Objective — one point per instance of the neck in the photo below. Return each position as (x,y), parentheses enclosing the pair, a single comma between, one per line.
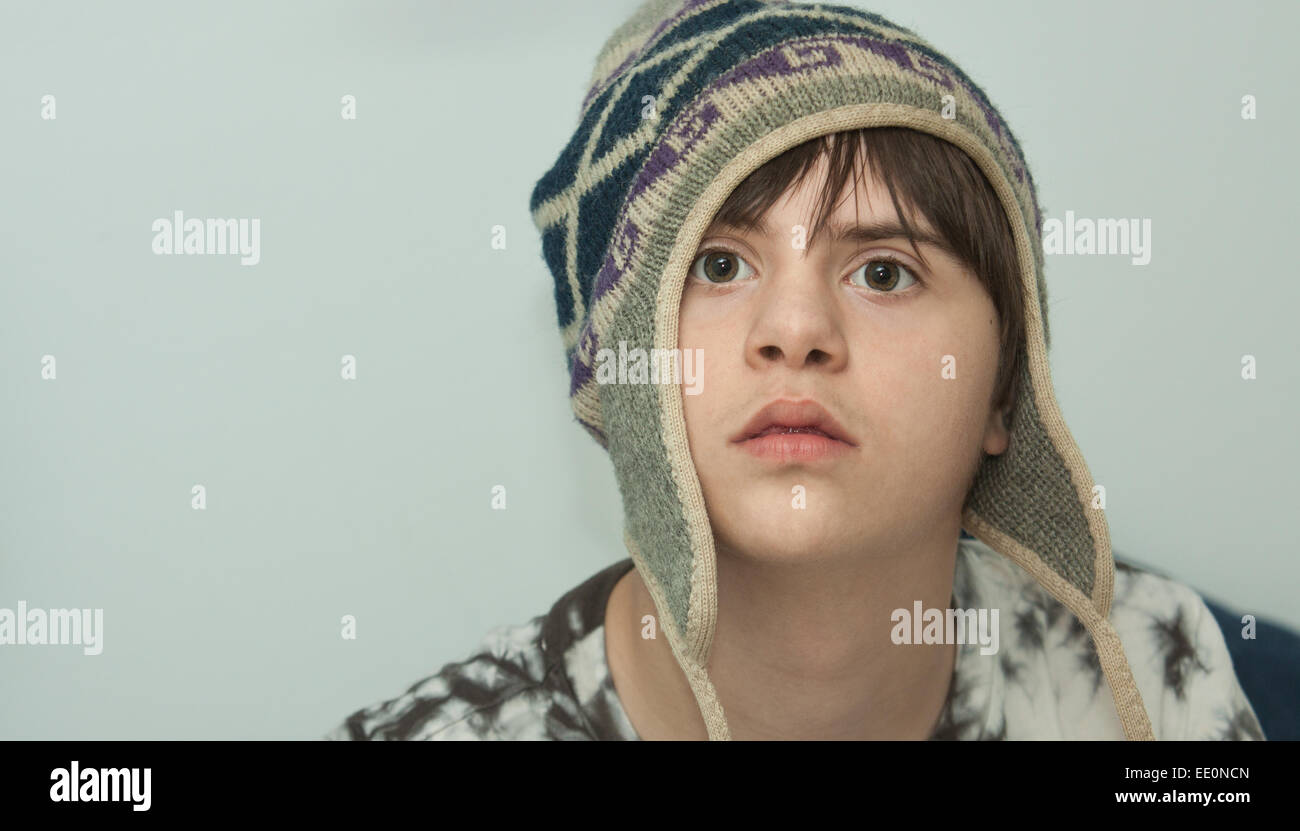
(802,650)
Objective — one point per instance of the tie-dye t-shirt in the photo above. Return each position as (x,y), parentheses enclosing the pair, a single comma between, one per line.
(548,678)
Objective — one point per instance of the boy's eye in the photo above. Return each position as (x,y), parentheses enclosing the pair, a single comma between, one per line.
(720,267)
(883,274)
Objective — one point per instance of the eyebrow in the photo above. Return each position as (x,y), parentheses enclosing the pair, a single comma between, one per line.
(861,233)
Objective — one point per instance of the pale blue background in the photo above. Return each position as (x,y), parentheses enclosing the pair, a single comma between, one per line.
(371,498)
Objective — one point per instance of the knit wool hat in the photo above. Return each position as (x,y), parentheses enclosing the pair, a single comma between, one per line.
(735,83)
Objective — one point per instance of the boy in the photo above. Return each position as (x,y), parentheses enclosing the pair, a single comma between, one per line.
(839,222)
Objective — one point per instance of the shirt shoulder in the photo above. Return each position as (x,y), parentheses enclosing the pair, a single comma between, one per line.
(1048,680)
(539,680)
(499,691)
(1179,659)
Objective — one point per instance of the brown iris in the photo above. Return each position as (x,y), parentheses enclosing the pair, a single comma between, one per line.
(884,271)
(720,267)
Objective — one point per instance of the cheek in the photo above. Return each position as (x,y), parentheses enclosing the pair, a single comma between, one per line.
(698,331)
(726,393)
(927,390)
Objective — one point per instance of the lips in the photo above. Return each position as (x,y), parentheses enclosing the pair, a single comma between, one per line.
(787,416)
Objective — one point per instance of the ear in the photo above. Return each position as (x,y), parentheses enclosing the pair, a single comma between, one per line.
(996,436)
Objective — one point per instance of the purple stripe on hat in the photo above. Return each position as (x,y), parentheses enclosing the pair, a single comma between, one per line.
(776,62)
(666,156)
(789,59)
(605,280)
(579,374)
(618,260)
(579,371)
(792,58)
(784,60)
(671,149)
(936,72)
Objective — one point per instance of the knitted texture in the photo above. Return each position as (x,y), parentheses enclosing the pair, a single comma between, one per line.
(746,48)
(686,99)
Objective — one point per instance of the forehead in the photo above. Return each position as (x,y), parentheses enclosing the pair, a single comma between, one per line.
(860,232)
(863,213)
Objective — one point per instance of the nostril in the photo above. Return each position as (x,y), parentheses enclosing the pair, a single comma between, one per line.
(771,353)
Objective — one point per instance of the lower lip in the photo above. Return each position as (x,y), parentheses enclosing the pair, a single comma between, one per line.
(795,447)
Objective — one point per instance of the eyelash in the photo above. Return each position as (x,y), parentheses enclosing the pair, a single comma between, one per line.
(887,258)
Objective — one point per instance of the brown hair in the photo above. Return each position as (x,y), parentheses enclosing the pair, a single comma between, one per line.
(922,173)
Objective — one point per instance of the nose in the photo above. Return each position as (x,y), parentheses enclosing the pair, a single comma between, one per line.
(796,323)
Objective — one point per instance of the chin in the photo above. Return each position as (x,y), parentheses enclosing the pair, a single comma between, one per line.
(782,535)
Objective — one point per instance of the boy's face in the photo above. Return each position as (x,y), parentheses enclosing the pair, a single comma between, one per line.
(903,360)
